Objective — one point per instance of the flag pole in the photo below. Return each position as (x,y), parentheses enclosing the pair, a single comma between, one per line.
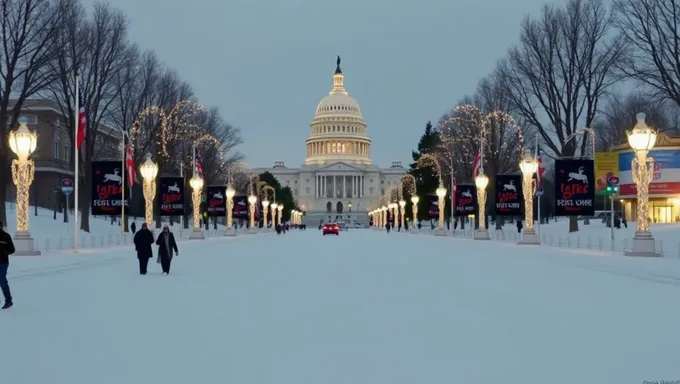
(538,197)
(122,184)
(76,160)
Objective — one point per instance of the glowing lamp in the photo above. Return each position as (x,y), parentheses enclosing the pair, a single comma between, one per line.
(481,181)
(265,203)
(274,205)
(528,165)
(252,199)
(415,200)
(402,203)
(280,207)
(149,169)
(642,138)
(231,192)
(196,181)
(22,141)
(441,191)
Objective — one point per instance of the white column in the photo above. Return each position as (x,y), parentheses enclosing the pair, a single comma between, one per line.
(317,191)
(323,186)
(335,191)
(344,187)
(361,186)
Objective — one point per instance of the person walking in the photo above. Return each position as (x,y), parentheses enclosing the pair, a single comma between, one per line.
(166,245)
(6,249)
(143,242)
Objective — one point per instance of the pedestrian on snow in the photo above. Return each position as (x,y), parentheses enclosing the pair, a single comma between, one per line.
(133,227)
(387,227)
(6,249)
(519,226)
(143,242)
(166,245)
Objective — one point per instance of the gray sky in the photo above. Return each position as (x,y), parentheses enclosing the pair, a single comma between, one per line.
(266,64)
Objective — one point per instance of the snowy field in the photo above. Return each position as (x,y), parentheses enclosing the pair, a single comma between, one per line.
(362,307)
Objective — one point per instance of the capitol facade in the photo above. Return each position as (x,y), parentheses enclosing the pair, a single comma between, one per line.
(338,181)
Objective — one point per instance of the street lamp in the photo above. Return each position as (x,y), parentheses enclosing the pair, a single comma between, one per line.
(414,211)
(528,166)
(441,194)
(23,143)
(231,192)
(402,209)
(481,181)
(274,210)
(383,217)
(265,211)
(196,183)
(149,170)
(252,200)
(642,139)
(393,212)
(280,213)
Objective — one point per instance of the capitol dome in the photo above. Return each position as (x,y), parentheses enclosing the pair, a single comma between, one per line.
(338,131)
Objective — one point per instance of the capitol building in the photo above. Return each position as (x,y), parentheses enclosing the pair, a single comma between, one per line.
(338,181)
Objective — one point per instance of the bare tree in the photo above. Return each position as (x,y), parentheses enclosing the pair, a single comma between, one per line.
(650,28)
(562,67)
(27,48)
(98,50)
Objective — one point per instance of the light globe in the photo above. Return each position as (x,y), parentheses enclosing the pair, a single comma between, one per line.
(231,192)
(149,169)
(196,182)
(252,199)
(441,191)
(481,181)
(274,205)
(22,141)
(265,203)
(280,207)
(528,165)
(642,137)
(415,199)
(402,203)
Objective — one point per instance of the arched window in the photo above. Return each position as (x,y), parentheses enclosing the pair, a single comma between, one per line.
(329,207)
(339,207)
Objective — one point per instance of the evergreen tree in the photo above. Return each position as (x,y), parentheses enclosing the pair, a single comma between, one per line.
(284,195)
(426,177)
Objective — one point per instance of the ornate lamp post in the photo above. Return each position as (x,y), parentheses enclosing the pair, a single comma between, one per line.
(265,211)
(392,210)
(231,192)
(23,143)
(402,209)
(481,181)
(441,194)
(196,184)
(383,218)
(280,213)
(642,139)
(274,210)
(149,170)
(528,166)
(252,200)
(414,210)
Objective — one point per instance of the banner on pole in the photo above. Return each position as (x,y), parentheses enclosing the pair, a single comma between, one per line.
(216,203)
(433,206)
(509,199)
(574,187)
(107,188)
(240,210)
(172,196)
(466,200)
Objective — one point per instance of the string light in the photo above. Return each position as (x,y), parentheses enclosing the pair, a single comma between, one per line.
(428,161)
(23,172)
(643,174)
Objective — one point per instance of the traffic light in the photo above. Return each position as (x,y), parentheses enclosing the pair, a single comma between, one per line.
(612,189)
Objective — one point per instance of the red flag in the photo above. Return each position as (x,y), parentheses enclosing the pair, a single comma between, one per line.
(199,166)
(130,165)
(82,123)
(453,193)
(539,174)
(475,166)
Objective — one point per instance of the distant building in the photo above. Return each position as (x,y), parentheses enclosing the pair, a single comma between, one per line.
(54,154)
(338,180)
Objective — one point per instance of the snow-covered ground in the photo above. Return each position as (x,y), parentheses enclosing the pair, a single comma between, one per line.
(54,235)
(362,307)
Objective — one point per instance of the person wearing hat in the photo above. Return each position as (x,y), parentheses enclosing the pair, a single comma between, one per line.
(143,241)
(166,245)
(6,249)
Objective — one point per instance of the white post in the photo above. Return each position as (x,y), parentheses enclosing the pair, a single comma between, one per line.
(123,170)
(611,219)
(76,159)
(538,226)
(181,174)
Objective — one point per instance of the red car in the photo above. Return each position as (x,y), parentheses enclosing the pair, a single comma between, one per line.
(331,229)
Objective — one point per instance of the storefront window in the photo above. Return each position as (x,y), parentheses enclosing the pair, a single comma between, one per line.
(662,212)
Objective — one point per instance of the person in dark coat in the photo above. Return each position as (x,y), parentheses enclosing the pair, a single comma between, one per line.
(166,245)
(6,249)
(519,226)
(133,227)
(143,242)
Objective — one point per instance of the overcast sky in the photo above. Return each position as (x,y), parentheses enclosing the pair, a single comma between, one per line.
(266,64)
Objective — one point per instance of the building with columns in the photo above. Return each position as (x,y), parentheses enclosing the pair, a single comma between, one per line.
(338,181)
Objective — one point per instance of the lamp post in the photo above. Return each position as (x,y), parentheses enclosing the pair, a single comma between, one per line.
(402,209)
(23,143)
(280,214)
(481,181)
(252,200)
(383,218)
(149,171)
(528,166)
(642,139)
(392,210)
(274,210)
(441,194)
(231,192)
(265,211)
(196,184)
(414,211)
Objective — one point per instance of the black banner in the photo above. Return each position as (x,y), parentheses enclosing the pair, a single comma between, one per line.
(172,196)
(215,200)
(107,188)
(433,207)
(240,210)
(466,200)
(509,198)
(574,187)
